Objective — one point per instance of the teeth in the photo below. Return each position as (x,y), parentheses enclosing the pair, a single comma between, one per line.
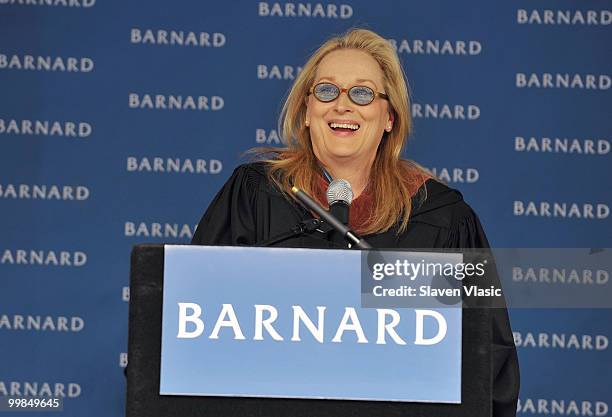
(344,126)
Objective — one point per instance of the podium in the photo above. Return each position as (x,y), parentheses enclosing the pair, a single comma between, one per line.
(144,363)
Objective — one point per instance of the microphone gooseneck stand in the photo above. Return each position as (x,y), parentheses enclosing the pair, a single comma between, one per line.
(328,218)
(305,226)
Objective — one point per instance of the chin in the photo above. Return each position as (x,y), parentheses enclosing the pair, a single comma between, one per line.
(342,151)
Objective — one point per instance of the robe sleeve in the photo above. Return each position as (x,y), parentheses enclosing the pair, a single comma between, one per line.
(468,233)
(230,217)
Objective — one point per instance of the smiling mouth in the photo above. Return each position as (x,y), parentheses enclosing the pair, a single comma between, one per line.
(344,127)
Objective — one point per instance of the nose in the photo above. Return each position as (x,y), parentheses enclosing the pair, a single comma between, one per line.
(343,103)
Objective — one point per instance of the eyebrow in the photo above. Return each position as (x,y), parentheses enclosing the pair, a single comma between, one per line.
(359,80)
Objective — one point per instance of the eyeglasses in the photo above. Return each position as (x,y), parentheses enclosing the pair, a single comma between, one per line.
(359,94)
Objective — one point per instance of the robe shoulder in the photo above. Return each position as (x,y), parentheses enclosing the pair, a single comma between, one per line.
(229,219)
(443,208)
(245,208)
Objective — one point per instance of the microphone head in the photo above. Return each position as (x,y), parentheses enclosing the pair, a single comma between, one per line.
(339,191)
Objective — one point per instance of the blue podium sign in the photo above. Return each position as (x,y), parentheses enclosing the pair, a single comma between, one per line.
(271,322)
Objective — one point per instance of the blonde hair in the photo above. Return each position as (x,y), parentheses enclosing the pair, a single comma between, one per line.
(393,181)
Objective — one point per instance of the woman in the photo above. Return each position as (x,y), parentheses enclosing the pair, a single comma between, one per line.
(347,116)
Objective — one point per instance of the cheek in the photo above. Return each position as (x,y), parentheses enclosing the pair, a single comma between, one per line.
(376,112)
(377,120)
(315,108)
(318,125)
(317,132)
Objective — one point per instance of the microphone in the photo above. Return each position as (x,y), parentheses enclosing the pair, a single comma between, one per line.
(330,219)
(339,198)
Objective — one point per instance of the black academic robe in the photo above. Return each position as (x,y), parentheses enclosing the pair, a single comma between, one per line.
(250,210)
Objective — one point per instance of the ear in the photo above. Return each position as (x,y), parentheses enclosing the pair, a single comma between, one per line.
(389,124)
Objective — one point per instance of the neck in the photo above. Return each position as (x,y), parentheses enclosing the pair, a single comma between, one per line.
(354,172)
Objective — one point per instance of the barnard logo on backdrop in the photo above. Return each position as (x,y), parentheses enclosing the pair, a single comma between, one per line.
(436,47)
(43,257)
(45,128)
(40,389)
(590,211)
(562,145)
(329,11)
(173,165)
(277,72)
(125,294)
(20,322)
(569,341)
(175,102)
(163,230)
(561,407)
(267,137)
(563,17)
(177,38)
(44,192)
(568,276)
(46,63)
(563,80)
(62,3)
(445,111)
(456,175)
